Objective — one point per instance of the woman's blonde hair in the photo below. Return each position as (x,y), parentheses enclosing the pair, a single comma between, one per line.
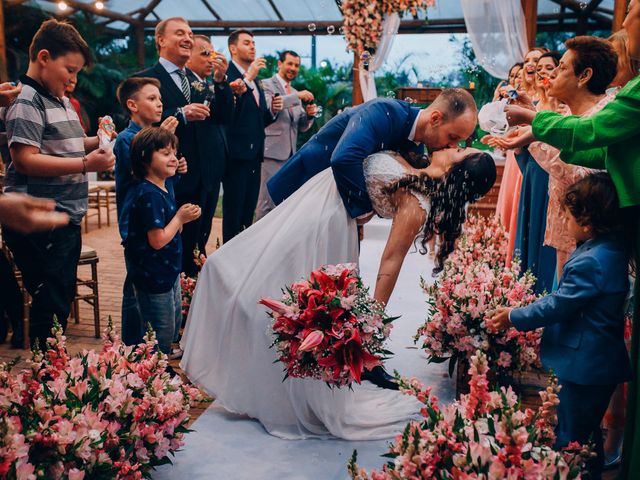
(620,41)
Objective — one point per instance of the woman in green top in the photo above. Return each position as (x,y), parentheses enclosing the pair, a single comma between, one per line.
(609,139)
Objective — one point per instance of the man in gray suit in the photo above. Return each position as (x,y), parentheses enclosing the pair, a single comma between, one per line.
(281,136)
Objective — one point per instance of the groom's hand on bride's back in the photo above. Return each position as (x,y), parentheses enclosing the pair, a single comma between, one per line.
(362,219)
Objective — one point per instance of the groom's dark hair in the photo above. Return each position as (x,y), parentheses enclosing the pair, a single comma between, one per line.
(453,102)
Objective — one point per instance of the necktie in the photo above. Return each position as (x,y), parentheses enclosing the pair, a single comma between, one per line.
(186,90)
(256,94)
(287,89)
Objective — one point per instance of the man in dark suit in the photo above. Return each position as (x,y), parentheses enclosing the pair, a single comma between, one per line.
(252,114)
(204,63)
(182,98)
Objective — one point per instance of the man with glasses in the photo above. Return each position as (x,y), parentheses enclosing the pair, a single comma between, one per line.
(210,69)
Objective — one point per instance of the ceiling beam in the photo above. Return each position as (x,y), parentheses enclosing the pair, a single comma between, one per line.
(275,9)
(211,9)
(570,10)
(593,4)
(548,22)
(145,11)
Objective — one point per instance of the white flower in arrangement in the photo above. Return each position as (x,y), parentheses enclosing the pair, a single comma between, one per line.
(198,86)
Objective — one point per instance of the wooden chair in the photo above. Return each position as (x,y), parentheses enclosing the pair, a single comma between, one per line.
(89,287)
(107,196)
(93,206)
(26,298)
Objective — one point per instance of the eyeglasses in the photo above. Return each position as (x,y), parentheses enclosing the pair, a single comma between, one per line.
(210,54)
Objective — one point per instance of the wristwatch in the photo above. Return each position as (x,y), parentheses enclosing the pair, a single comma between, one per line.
(222,81)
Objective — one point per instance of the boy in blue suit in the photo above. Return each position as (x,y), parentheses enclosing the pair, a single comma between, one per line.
(583,339)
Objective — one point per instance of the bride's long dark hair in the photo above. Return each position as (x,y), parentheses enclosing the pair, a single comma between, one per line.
(466,182)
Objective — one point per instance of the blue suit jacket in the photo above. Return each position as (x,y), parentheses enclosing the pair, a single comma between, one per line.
(583,339)
(343,143)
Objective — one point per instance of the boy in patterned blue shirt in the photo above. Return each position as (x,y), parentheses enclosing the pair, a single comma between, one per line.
(153,248)
(141,98)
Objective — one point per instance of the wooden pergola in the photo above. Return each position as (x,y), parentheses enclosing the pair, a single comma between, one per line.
(569,15)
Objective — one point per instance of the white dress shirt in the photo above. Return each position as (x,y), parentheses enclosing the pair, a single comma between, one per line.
(251,84)
(172,69)
(412,133)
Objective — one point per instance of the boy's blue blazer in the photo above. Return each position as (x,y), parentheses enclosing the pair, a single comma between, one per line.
(583,339)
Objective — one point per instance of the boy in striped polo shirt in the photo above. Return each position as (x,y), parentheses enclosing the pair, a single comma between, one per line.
(49,159)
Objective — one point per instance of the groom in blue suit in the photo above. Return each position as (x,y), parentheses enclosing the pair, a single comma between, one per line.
(380,124)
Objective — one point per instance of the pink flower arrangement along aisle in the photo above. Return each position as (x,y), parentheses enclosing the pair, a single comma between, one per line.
(115,413)
(362,26)
(475,281)
(482,435)
(328,327)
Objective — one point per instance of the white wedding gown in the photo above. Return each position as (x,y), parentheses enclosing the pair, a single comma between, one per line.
(226,340)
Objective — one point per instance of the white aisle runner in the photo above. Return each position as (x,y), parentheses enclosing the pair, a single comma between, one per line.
(225,446)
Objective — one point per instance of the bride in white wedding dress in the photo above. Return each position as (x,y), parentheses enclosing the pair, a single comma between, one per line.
(226,340)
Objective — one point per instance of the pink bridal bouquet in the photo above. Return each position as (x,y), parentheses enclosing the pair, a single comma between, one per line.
(483,435)
(114,413)
(328,327)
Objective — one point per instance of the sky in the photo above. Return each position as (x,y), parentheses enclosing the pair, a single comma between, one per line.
(432,54)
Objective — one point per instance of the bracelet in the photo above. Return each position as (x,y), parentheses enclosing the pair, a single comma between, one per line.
(84,165)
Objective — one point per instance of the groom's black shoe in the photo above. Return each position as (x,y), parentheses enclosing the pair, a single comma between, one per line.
(379,376)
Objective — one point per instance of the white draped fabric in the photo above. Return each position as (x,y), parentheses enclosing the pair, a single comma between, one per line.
(390,27)
(498,33)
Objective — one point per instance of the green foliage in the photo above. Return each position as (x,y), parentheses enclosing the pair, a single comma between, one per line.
(21,23)
(485,83)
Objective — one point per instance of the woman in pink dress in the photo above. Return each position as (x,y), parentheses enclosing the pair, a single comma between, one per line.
(511,183)
(508,184)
